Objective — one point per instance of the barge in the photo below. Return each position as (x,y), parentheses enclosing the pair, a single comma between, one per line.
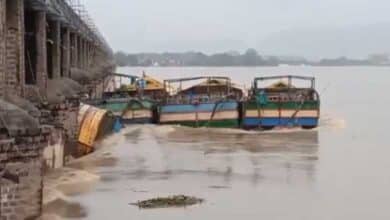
(282,104)
(131,110)
(134,101)
(146,87)
(212,103)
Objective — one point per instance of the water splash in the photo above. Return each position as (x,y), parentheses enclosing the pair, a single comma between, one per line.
(332,122)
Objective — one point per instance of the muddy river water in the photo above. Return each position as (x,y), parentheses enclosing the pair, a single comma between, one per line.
(338,171)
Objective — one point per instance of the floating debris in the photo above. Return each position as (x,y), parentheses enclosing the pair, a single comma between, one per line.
(166,202)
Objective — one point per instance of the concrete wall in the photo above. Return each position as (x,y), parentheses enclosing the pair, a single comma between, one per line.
(65,117)
(22,198)
(53,154)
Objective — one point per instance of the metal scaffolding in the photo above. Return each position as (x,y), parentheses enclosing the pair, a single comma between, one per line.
(82,12)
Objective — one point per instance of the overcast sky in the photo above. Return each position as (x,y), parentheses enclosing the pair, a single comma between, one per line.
(221,25)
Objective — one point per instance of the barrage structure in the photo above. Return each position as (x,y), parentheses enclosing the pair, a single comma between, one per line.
(51,55)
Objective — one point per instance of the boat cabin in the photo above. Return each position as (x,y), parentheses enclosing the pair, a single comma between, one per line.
(282,104)
(209,90)
(130,86)
(284,90)
(212,103)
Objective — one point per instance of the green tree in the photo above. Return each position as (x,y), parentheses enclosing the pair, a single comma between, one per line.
(121,58)
(251,58)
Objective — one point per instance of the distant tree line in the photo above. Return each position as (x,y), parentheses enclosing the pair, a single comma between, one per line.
(250,58)
(371,60)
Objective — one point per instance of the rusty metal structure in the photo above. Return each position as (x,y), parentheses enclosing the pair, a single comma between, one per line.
(51,56)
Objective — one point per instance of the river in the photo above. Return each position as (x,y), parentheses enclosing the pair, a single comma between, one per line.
(337,171)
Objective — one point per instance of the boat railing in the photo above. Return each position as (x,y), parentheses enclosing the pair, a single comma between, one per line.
(168,84)
(294,95)
(194,99)
(178,80)
(290,79)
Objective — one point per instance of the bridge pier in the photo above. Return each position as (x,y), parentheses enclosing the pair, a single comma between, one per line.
(86,67)
(54,44)
(2,45)
(66,52)
(14,46)
(79,51)
(73,51)
(82,53)
(41,53)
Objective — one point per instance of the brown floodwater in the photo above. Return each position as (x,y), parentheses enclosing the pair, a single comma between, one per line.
(337,171)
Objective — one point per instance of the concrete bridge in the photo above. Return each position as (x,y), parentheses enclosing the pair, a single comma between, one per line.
(48,39)
(51,55)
